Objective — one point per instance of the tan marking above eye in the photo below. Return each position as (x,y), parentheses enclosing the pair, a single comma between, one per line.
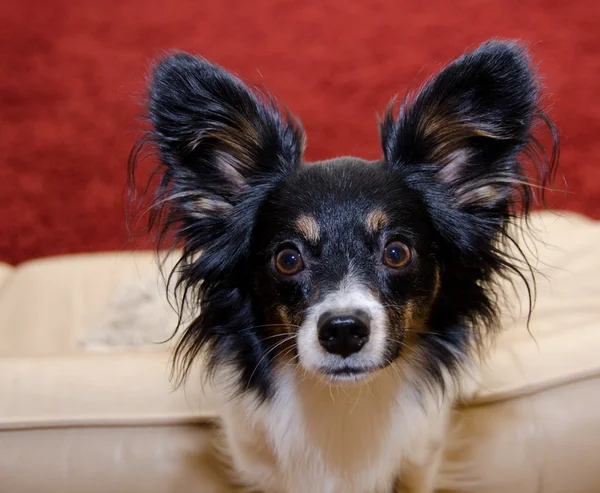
(376,220)
(309,228)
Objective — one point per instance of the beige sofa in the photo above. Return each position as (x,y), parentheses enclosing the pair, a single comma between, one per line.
(86,404)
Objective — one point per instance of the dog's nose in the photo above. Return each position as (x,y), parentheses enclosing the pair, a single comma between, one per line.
(343,334)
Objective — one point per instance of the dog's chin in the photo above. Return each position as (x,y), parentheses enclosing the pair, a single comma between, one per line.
(348,377)
(348,374)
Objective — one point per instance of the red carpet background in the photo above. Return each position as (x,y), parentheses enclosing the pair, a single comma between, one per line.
(71,72)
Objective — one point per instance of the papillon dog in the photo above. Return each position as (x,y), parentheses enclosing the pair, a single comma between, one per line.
(338,305)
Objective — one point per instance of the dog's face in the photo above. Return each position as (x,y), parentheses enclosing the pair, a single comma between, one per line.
(343,266)
(346,267)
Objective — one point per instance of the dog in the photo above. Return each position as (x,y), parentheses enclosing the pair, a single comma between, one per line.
(340,305)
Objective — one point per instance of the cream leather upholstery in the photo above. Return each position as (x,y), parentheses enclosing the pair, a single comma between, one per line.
(86,404)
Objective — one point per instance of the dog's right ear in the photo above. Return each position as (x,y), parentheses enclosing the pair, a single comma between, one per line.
(221,146)
(215,136)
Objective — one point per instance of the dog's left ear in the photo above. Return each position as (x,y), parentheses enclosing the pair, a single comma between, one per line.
(464,130)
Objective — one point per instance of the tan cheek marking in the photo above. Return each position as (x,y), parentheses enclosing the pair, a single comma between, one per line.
(286,321)
(408,314)
(376,220)
(309,228)
(281,332)
(437,284)
(283,315)
(413,320)
(396,319)
(316,295)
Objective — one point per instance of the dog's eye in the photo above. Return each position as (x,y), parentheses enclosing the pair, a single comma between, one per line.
(289,262)
(396,255)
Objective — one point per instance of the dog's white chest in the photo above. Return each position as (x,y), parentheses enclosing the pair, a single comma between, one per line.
(311,437)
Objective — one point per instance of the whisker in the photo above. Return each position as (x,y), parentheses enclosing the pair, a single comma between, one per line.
(392,366)
(274,325)
(357,399)
(402,343)
(424,332)
(330,390)
(266,354)
(288,351)
(290,334)
(323,381)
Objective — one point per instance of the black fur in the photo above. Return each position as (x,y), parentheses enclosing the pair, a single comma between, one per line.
(453,179)
(208,124)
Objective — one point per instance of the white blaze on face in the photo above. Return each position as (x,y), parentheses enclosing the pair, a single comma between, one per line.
(350,297)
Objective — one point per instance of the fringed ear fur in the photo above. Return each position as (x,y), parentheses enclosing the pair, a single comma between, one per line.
(469,128)
(221,147)
(467,142)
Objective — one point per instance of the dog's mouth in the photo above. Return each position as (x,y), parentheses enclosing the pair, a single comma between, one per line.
(348,373)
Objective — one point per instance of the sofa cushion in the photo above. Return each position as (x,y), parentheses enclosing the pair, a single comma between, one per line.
(74,390)
(5,272)
(67,304)
(563,338)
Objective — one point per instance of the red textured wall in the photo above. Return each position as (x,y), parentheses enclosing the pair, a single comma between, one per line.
(70,73)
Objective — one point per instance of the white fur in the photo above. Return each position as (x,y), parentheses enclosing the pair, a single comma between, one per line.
(350,296)
(312,437)
(358,437)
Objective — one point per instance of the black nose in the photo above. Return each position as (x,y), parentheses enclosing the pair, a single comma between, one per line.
(343,334)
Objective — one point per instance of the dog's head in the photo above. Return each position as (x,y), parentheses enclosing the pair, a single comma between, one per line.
(343,266)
